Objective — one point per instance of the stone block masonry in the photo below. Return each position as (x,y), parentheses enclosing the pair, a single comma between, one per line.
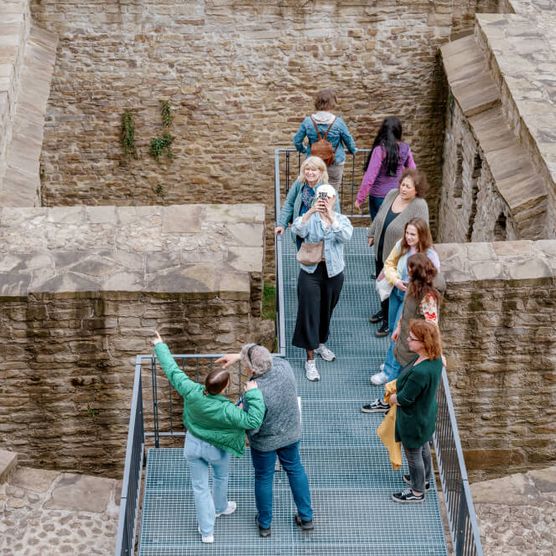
(498,322)
(240,77)
(82,291)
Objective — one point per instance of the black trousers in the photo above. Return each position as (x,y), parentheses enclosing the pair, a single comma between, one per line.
(317,295)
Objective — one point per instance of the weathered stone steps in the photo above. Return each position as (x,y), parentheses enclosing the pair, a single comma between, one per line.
(21,183)
(479,97)
(14,30)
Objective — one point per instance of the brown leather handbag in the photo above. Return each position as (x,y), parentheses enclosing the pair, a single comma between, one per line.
(310,253)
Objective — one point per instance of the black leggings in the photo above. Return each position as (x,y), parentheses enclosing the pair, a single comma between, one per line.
(317,295)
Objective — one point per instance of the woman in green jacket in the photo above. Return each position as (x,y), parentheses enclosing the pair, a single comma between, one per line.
(416,415)
(215,429)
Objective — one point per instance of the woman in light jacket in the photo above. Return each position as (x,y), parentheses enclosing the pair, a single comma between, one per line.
(416,239)
(301,196)
(215,430)
(398,208)
(338,134)
(319,285)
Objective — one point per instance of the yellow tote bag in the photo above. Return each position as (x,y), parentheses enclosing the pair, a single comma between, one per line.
(386,431)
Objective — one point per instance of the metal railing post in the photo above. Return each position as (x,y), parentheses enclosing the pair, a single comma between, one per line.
(154,386)
(462,518)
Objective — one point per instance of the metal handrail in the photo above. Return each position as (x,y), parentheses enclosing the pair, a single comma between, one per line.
(134,461)
(347,192)
(464,529)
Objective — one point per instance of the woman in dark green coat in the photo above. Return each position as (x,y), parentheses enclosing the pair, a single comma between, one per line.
(416,415)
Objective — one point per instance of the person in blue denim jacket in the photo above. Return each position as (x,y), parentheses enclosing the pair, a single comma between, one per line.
(338,134)
(319,285)
(301,195)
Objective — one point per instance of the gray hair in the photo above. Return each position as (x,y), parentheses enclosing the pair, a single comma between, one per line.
(256,358)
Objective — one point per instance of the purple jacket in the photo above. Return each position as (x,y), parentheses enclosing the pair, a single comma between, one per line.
(375,181)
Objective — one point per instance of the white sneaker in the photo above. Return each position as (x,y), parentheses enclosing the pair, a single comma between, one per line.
(311,371)
(379,378)
(207,539)
(232,507)
(325,353)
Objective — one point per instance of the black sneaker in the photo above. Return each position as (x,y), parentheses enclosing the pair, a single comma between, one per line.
(377,406)
(383,330)
(407,497)
(262,531)
(407,480)
(305,525)
(377,317)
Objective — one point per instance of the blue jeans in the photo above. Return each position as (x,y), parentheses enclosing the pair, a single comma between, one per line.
(392,368)
(199,455)
(374,205)
(264,462)
(395,307)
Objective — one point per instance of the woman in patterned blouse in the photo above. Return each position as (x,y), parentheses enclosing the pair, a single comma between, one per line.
(422,301)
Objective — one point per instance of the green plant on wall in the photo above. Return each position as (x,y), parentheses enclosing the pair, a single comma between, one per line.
(161,145)
(166,113)
(160,190)
(127,137)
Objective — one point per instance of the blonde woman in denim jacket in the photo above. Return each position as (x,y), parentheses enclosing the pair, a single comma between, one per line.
(301,195)
(319,285)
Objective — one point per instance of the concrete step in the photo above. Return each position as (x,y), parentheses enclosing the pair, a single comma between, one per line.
(21,183)
(8,463)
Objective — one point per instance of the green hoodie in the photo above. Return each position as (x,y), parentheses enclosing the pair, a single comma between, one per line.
(214,419)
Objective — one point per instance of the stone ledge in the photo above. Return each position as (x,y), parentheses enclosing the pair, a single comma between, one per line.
(8,463)
(194,249)
(504,260)
(521,56)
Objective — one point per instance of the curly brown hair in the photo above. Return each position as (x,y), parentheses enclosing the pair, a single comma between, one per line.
(421,277)
(419,180)
(428,334)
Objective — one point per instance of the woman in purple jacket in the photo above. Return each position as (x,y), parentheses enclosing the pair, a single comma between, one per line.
(384,165)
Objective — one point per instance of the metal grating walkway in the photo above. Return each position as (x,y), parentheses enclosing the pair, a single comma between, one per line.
(349,471)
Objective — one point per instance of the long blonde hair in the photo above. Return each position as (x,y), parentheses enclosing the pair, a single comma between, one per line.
(316,163)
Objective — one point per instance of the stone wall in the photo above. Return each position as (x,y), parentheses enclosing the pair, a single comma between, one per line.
(67,365)
(499,173)
(498,322)
(82,291)
(240,76)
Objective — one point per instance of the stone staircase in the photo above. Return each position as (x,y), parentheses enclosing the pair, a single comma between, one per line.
(479,95)
(27,56)
(51,512)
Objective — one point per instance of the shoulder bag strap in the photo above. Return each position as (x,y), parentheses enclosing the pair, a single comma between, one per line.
(329,127)
(317,129)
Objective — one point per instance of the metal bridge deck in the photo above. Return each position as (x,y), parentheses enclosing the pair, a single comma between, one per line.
(348,468)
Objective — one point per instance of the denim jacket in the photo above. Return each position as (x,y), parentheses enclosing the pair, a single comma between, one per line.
(292,205)
(339,136)
(334,237)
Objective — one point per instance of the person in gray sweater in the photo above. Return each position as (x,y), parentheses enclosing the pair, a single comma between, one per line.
(278,436)
(398,208)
